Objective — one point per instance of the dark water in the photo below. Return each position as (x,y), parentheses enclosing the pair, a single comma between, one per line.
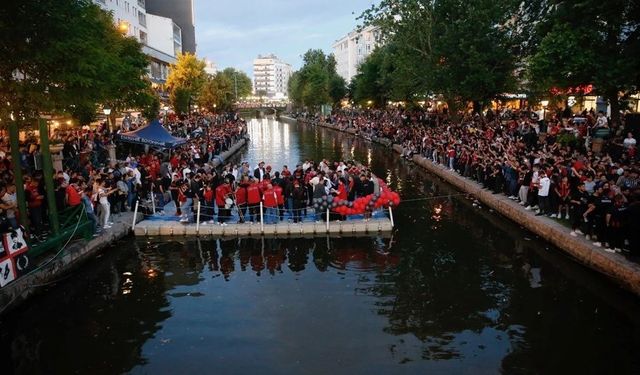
(457,289)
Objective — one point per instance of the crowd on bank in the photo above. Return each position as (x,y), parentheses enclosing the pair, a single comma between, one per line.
(577,169)
(89,180)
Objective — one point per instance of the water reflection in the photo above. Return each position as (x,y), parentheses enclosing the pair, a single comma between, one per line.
(457,289)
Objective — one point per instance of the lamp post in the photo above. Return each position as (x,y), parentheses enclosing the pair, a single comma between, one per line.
(107,112)
(166,109)
(544,103)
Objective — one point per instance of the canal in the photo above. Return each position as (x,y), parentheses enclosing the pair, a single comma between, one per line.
(455,289)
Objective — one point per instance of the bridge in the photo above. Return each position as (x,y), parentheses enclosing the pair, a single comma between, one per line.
(261,110)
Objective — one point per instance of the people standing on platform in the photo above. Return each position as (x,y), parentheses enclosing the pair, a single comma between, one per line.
(224,208)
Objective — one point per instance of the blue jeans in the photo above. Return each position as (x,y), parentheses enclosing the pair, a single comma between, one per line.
(185,208)
(161,202)
(271,215)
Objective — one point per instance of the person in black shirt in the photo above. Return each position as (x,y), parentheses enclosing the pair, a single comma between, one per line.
(578,203)
(616,219)
(601,205)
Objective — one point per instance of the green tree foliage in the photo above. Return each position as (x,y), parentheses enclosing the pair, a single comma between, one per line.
(186,78)
(588,42)
(64,56)
(317,82)
(240,81)
(460,49)
(218,92)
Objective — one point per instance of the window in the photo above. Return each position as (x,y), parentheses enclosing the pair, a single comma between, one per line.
(143,37)
(142,19)
(141,4)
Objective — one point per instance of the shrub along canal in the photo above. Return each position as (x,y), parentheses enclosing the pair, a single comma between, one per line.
(456,289)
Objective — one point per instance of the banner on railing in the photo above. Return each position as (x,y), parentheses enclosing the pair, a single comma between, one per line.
(14,261)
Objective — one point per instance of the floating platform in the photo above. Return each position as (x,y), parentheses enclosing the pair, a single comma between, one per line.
(349,228)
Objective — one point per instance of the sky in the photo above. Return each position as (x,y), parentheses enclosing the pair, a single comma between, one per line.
(233,32)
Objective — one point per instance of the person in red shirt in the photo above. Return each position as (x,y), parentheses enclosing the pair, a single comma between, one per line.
(34,202)
(270,201)
(280,200)
(73,194)
(222,193)
(254,197)
(209,200)
(285,172)
(242,197)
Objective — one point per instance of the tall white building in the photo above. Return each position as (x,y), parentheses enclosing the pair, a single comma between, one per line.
(210,67)
(271,75)
(352,49)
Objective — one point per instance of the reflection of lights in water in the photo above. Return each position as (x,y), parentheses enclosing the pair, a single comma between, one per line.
(151,273)
(127,286)
(437,211)
(369,157)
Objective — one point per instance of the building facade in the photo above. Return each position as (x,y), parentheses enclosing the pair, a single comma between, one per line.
(352,49)
(271,76)
(130,17)
(181,12)
(161,37)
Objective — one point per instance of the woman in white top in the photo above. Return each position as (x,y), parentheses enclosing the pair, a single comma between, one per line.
(103,199)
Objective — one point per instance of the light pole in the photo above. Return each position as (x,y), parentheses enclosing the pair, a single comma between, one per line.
(544,103)
(166,109)
(107,113)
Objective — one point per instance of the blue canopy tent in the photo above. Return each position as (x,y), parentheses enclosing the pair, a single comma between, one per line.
(153,135)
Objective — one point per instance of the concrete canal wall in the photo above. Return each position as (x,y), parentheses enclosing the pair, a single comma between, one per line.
(74,255)
(220,159)
(614,266)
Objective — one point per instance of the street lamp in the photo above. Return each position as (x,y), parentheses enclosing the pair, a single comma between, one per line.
(107,112)
(544,103)
(166,109)
(123,27)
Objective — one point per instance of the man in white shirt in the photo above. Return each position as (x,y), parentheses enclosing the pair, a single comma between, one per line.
(629,142)
(543,194)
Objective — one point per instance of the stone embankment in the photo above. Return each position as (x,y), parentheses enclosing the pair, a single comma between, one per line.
(614,266)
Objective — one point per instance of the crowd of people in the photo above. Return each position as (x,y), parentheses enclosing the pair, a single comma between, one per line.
(101,186)
(285,194)
(553,167)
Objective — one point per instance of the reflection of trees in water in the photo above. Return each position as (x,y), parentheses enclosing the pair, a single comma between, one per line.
(94,322)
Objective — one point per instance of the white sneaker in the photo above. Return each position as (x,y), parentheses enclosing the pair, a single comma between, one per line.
(617,250)
(579,231)
(608,250)
(553,216)
(573,233)
(106,227)
(587,237)
(567,217)
(528,208)
(522,203)
(597,244)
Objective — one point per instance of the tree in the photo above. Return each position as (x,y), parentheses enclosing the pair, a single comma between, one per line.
(62,66)
(460,49)
(180,98)
(240,80)
(217,92)
(588,42)
(126,84)
(185,80)
(317,82)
